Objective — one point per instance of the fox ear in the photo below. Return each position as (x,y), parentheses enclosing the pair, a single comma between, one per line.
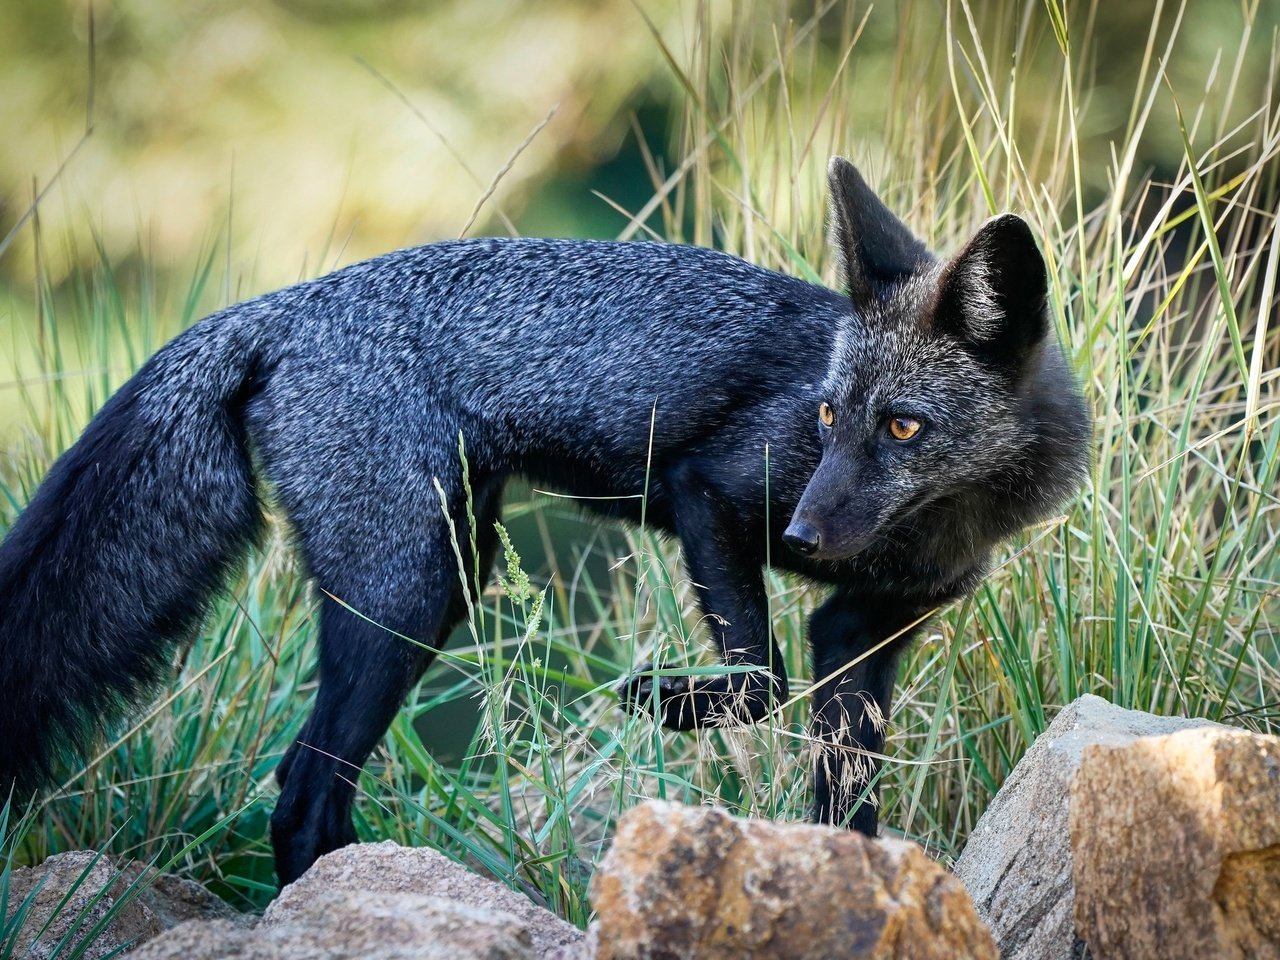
(876,248)
(993,293)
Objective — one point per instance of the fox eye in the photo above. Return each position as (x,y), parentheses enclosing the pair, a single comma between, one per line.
(903,429)
(826,414)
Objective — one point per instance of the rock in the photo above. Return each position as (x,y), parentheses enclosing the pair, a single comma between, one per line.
(384,902)
(337,924)
(1176,846)
(163,903)
(1017,864)
(389,868)
(695,882)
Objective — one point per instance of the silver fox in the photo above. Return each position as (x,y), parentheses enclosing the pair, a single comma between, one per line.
(913,423)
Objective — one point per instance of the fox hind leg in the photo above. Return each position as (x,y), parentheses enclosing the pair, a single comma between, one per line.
(365,673)
(405,586)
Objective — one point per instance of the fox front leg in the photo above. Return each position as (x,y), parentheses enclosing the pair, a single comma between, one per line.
(854,677)
(725,564)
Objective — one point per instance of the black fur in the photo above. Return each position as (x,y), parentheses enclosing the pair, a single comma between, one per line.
(115,558)
(598,368)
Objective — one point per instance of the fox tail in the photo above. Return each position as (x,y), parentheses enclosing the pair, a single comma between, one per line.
(118,554)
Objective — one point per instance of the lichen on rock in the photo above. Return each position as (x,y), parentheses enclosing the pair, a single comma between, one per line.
(695,882)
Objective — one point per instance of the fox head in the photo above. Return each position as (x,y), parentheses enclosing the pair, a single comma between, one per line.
(940,387)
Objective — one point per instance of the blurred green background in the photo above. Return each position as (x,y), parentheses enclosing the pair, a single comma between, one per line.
(296,135)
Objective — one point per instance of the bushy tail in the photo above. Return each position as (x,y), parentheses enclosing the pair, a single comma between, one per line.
(119,552)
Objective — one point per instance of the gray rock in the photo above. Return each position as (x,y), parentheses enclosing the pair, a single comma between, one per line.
(389,868)
(1017,865)
(337,924)
(165,902)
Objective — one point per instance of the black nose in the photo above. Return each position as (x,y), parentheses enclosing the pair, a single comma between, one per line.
(801,537)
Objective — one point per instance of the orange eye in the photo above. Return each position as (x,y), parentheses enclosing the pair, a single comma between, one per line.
(826,414)
(903,428)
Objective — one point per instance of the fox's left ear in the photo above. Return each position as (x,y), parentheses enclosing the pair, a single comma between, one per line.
(876,248)
(993,293)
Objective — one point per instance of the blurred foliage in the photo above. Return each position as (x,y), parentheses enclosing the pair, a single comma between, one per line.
(274,117)
(323,131)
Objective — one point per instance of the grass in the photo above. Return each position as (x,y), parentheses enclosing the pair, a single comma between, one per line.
(1157,589)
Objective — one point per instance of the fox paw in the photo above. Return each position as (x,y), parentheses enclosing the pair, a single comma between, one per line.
(637,692)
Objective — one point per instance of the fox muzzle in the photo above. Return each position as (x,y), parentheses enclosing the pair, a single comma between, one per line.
(838,515)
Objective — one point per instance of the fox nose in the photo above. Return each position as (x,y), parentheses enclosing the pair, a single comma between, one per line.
(802,537)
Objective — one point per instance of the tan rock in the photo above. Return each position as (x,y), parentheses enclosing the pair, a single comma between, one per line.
(1017,863)
(335,924)
(389,868)
(71,893)
(1176,846)
(695,882)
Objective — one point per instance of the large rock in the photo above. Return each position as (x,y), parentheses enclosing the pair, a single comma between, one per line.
(389,868)
(695,882)
(1176,846)
(1017,865)
(92,887)
(381,901)
(337,924)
